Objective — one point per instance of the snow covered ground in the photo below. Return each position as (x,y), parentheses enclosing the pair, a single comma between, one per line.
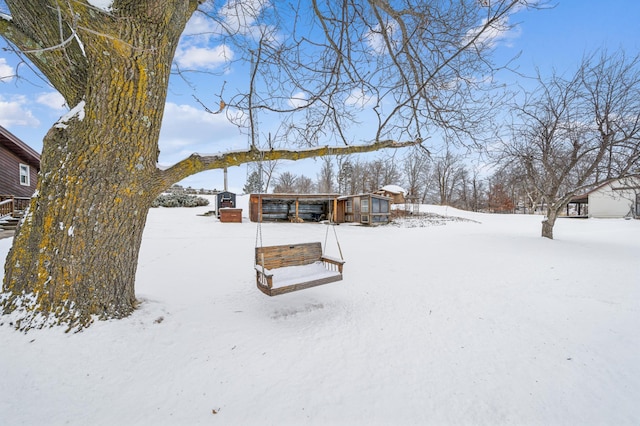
(478,322)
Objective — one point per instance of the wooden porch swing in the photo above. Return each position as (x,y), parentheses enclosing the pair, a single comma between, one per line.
(291,267)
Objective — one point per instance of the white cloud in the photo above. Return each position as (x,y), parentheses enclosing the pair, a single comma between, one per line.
(298,100)
(240,15)
(359,98)
(198,49)
(203,57)
(376,40)
(53,100)
(200,26)
(187,129)
(495,33)
(13,112)
(6,71)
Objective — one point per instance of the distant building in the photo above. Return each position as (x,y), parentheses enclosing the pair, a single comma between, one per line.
(225,200)
(395,192)
(292,207)
(616,198)
(367,209)
(19,166)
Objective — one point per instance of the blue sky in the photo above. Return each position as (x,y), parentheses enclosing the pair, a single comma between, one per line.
(560,36)
(553,38)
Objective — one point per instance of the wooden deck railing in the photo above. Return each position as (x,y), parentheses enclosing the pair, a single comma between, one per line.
(6,207)
(10,205)
(20,204)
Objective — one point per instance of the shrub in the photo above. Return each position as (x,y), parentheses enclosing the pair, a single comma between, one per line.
(179,200)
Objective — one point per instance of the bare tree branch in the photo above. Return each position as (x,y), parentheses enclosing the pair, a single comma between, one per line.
(198,163)
(573,133)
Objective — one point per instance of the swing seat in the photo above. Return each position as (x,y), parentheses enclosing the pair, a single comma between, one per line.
(286,268)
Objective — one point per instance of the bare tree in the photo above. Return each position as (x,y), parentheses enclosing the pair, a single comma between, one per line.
(416,171)
(285,183)
(523,194)
(305,185)
(376,175)
(477,188)
(414,66)
(345,175)
(359,177)
(572,133)
(391,174)
(267,170)
(326,176)
(447,173)
(500,197)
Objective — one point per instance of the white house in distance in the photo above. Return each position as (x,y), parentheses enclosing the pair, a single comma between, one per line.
(613,199)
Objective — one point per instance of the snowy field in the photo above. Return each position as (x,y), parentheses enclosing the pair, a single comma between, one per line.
(478,322)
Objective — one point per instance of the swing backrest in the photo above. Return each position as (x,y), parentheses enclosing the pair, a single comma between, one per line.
(288,255)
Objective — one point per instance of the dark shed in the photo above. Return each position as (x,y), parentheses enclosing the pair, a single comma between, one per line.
(225,199)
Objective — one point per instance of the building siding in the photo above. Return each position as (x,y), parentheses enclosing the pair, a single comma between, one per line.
(613,200)
(10,171)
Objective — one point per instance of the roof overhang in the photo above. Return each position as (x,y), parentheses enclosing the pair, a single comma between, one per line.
(19,148)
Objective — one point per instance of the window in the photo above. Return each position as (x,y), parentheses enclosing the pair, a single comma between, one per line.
(379,206)
(25,175)
(364,206)
(349,207)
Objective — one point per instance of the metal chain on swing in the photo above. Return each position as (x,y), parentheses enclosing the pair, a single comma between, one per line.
(259,227)
(259,209)
(332,223)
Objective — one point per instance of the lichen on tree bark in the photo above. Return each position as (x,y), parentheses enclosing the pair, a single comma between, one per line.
(75,255)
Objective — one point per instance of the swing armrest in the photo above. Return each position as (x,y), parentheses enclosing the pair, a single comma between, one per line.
(264,277)
(264,271)
(332,260)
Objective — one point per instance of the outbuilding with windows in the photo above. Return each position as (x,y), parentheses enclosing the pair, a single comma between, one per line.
(366,209)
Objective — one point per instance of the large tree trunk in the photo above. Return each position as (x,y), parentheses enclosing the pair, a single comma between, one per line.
(76,252)
(75,255)
(549,222)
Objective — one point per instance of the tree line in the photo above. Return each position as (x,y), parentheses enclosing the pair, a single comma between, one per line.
(566,135)
(446,179)
(410,70)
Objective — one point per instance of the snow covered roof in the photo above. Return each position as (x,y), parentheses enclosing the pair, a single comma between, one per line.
(630,182)
(393,189)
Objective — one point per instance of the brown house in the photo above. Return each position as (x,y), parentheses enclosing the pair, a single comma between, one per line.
(19,167)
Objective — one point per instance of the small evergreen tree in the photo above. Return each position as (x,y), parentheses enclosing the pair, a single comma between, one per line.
(254,184)
(345,177)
